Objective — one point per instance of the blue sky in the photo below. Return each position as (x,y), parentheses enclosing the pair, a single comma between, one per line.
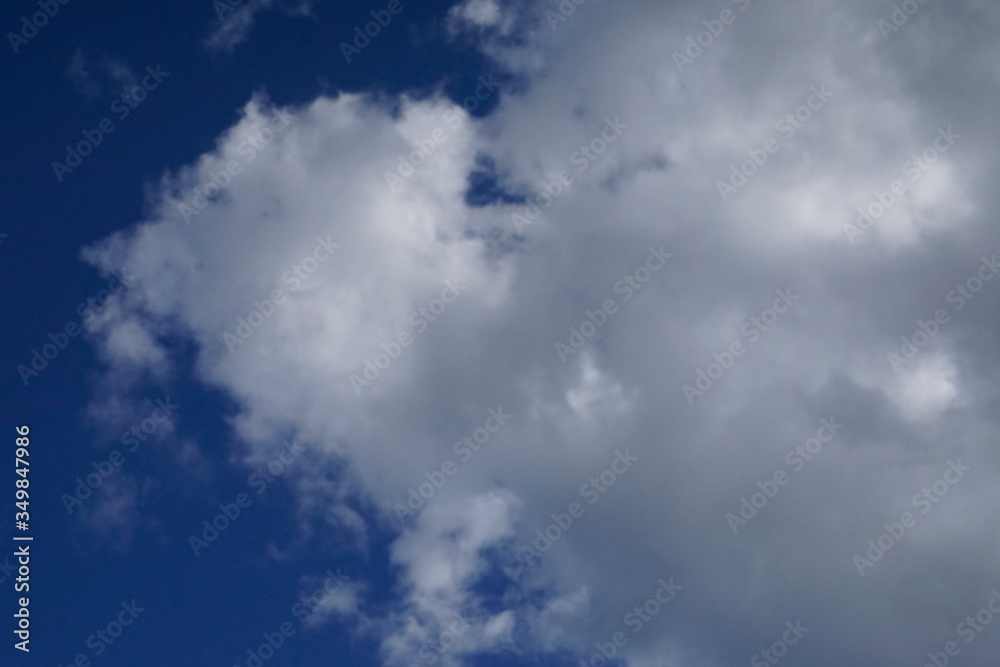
(210,609)
(565,333)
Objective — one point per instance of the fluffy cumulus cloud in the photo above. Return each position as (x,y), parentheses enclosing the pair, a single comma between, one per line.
(723,382)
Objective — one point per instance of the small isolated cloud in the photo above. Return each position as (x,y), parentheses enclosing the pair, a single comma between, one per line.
(480,14)
(236,20)
(93,78)
(334,597)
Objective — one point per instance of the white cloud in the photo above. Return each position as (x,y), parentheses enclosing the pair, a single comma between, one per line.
(656,184)
(480,14)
